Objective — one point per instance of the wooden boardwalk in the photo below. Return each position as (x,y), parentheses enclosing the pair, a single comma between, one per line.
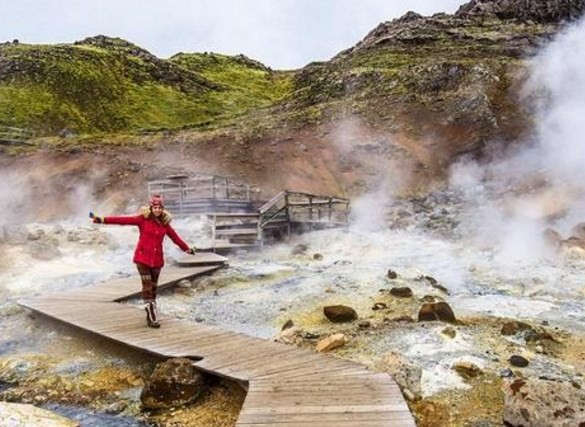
(287,386)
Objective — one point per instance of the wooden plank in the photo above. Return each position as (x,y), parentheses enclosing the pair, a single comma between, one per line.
(288,386)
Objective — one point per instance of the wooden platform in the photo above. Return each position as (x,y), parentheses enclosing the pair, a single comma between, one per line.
(287,386)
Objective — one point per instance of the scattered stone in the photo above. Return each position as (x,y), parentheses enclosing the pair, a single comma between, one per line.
(513,327)
(288,324)
(379,306)
(406,319)
(16,414)
(429,298)
(43,250)
(506,373)
(184,284)
(35,234)
(467,370)
(311,335)
(401,292)
(449,331)
(331,342)
(536,402)
(436,311)
(392,274)
(116,408)
(364,324)
(317,257)
(340,313)
(431,280)
(299,249)
(293,335)
(406,374)
(518,361)
(15,234)
(174,382)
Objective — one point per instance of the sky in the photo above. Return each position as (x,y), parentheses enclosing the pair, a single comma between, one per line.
(282,34)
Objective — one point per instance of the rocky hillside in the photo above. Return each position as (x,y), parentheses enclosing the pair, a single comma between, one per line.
(103,84)
(394,110)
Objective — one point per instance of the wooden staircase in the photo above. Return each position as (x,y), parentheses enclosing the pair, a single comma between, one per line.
(276,219)
(240,219)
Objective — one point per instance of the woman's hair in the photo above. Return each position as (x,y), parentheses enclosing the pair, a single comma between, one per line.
(165,217)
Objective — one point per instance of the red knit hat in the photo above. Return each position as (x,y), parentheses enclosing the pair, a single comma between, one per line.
(157,200)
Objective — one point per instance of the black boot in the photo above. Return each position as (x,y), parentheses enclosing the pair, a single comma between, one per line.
(151,315)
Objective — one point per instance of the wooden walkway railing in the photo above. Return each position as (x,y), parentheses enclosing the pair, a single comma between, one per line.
(287,386)
(12,135)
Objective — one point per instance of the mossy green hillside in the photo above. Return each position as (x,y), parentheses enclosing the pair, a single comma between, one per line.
(109,85)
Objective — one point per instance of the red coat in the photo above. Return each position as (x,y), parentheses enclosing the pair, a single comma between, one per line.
(149,250)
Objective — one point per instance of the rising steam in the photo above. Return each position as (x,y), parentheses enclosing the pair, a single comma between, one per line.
(543,184)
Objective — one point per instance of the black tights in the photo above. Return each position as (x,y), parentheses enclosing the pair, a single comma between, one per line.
(149,277)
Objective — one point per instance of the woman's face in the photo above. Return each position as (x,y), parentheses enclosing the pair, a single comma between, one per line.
(156,210)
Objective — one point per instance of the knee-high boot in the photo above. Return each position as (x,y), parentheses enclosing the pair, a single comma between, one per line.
(151,314)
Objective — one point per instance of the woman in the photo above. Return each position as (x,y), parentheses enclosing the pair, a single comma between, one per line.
(154,224)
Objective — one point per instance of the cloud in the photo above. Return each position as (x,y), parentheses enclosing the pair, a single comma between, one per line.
(282,34)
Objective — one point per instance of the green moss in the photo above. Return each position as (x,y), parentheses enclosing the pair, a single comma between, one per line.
(109,85)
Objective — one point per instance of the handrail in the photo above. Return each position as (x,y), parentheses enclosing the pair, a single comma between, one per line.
(15,135)
(266,206)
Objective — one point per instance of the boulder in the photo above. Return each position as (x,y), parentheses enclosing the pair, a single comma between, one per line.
(436,311)
(173,383)
(406,374)
(331,342)
(537,402)
(339,313)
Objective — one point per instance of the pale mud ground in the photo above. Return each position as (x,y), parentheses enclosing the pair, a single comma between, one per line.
(260,291)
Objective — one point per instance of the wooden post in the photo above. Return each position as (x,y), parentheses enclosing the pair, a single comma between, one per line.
(288,225)
(213,230)
(213,187)
(227,188)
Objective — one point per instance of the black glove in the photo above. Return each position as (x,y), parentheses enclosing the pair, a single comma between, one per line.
(191,251)
(96,219)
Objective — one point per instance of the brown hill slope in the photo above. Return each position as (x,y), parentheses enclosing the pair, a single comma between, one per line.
(391,112)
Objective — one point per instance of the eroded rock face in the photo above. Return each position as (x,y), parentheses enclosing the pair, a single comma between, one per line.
(173,383)
(535,402)
(525,10)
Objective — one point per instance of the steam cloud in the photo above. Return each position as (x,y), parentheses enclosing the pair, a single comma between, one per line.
(542,184)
